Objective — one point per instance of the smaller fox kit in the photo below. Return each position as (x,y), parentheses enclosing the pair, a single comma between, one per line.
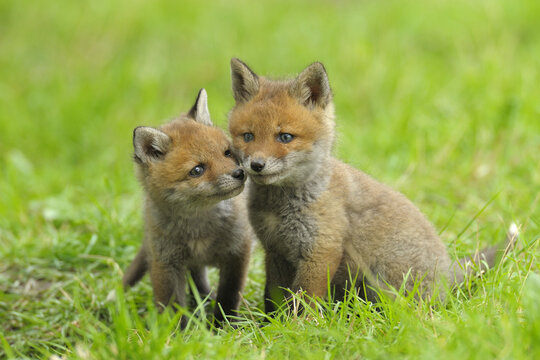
(318,219)
(190,177)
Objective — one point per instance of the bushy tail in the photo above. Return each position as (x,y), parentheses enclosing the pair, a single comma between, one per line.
(489,256)
(136,270)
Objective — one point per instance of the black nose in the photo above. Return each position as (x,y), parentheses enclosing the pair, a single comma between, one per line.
(238,174)
(257,165)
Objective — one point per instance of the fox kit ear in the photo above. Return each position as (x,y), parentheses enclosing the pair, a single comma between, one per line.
(245,83)
(199,112)
(311,87)
(150,144)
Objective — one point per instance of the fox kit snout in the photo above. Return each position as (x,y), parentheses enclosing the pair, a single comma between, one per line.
(317,218)
(190,178)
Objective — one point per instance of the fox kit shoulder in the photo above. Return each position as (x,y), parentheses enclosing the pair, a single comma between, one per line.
(192,217)
(314,215)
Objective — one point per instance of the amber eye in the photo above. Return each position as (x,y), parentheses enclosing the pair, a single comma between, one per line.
(248,137)
(285,138)
(227,153)
(197,171)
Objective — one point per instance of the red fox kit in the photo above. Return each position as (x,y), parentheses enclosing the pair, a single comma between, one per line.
(192,220)
(315,216)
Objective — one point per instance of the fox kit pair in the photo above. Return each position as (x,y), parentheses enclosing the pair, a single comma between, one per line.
(190,177)
(318,219)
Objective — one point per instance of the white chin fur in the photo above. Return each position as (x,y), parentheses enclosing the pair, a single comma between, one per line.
(293,169)
(262,179)
(229,194)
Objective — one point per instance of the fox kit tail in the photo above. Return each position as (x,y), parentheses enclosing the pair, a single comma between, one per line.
(465,267)
(136,270)
(489,256)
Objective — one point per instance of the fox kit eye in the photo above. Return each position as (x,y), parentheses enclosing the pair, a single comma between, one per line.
(285,138)
(248,137)
(197,171)
(227,153)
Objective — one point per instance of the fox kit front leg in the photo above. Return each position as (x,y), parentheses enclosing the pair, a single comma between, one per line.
(280,275)
(168,284)
(315,272)
(232,277)
(318,266)
(200,278)
(310,274)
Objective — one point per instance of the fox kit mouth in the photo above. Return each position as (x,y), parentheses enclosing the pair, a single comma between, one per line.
(229,193)
(271,171)
(266,179)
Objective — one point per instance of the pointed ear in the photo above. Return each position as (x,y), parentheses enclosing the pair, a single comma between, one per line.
(149,144)
(311,87)
(199,112)
(245,83)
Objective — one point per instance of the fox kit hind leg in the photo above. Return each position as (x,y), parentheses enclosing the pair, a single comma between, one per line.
(136,269)
(232,277)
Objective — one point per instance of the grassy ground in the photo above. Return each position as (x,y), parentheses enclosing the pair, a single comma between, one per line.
(439,99)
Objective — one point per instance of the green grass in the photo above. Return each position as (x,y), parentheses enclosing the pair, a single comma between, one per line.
(439,99)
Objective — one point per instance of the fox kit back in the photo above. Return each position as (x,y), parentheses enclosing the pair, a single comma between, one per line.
(192,218)
(314,215)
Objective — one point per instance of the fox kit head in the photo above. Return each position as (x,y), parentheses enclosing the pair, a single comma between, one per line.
(187,162)
(282,130)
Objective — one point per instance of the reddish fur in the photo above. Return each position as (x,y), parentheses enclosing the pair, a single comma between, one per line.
(174,170)
(276,114)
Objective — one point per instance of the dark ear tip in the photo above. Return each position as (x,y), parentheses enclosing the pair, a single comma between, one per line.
(319,66)
(193,111)
(199,94)
(135,130)
(135,133)
(236,63)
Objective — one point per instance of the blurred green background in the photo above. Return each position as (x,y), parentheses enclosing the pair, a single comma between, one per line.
(443,91)
(439,99)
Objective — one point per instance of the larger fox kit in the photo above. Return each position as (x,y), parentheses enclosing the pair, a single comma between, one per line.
(191,219)
(317,218)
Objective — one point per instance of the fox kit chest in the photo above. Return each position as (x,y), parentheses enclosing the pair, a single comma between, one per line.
(180,241)
(283,224)
(200,240)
